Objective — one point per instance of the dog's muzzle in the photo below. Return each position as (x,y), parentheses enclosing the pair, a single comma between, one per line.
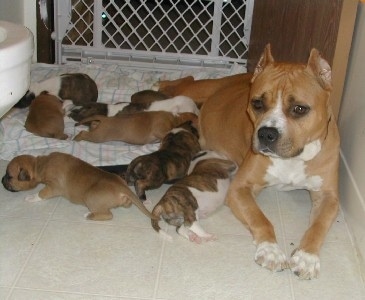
(267,138)
(6,183)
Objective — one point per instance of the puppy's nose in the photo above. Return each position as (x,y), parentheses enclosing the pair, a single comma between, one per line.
(268,135)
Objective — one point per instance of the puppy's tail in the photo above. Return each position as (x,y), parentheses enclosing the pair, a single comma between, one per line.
(156,212)
(139,204)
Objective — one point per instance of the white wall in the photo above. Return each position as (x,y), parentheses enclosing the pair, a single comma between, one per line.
(352,131)
(21,12)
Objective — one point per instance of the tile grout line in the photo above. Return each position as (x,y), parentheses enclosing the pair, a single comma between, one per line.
(13,286)
(157,282)
(285,241)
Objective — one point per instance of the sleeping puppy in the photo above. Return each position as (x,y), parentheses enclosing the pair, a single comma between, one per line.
(45,117)
(175,105)
(138,128)
(140,101)
(170,162)
(195,196)
(78,87)
(67,176)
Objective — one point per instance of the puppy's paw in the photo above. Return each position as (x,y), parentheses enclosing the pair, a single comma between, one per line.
(305,265)
(33,198)
(270,256)
(156,86)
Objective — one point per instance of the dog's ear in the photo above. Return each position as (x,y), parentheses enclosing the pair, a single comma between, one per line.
(23,175)
(265,59)
(321,69)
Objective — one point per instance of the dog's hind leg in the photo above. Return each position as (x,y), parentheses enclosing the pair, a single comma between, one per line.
(99,216)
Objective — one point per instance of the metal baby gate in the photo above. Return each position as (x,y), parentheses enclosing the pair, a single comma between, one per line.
(208,33)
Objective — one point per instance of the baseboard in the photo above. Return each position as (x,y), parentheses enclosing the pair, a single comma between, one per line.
(353,205)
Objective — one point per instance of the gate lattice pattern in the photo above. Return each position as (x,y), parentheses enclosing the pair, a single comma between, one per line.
(191,31)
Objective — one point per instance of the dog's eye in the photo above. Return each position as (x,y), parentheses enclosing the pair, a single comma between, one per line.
(300,110)
(257,104)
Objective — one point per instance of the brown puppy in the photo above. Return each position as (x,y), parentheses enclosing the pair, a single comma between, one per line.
(67,176)
(45,117)
(277,125)
(195,196)
(170,162)
(138,128)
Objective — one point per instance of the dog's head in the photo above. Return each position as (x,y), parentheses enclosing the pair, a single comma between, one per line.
(20,174)
(289,105)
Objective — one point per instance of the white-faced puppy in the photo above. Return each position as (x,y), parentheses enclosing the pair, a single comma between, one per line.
(277,125)
(138,128)
(169,163)
(45,117)
(195,196)
(78,87)
(67,176)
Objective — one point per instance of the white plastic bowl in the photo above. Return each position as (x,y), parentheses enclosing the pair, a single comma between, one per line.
(16,51)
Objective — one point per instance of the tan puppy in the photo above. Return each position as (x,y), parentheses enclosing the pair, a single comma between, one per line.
(45,117)
(67,176)
(277,124)
(138,128)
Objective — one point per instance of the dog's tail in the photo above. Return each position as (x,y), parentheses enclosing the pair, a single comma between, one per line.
(156,212)
(139,204)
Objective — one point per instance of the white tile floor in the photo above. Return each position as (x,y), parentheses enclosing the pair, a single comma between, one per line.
(49,251)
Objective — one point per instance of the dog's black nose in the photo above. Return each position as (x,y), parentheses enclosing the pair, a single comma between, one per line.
(268,135)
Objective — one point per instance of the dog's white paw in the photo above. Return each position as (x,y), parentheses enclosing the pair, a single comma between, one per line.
(33,198)
(270,256)
(305,265)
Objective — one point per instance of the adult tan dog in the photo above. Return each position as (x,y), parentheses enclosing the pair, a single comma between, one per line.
(67,176)
(277,124)
(137,128)
(45,117)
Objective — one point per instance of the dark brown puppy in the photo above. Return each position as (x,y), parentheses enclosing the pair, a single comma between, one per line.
(45,117)
(67,176)
(170,162)
(140,101)
(77,87)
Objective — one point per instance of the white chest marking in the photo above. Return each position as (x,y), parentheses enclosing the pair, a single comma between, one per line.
(288,174)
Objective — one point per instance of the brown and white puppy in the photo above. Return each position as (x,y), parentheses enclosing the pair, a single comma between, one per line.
(140,101)
(170,162)
(67,176)
(138,128)
(195,197)
(77,87)
(45,117)
(175,105)
(278,126)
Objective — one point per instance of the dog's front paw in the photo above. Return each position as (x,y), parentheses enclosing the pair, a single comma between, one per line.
(33,198)
(305,265)
(270,256)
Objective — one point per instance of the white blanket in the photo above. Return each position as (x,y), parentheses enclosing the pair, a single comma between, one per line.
(115,83)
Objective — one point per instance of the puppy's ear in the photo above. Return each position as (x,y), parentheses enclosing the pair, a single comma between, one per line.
(23,175)
(265,59)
